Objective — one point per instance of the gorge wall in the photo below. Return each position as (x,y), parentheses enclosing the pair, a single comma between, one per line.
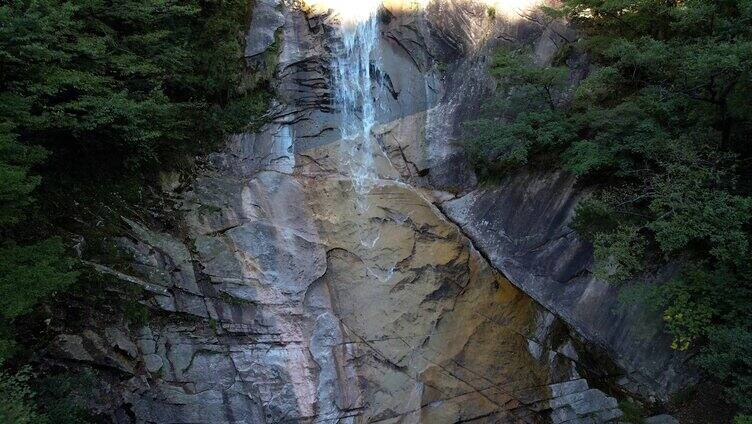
(343,265)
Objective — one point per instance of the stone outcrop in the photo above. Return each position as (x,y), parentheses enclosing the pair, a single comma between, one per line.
(531,244)
(266,20)
(281,294)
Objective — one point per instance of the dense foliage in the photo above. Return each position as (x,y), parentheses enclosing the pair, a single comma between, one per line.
(660,127)
(96,95)
(18,399)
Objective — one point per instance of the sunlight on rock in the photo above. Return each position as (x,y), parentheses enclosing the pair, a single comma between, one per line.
(354,11)
(511,9)
(348,11)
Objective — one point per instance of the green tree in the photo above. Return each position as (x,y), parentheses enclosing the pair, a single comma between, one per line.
(94,95)
(662,123)
(523,119)
(31,273)
(17,400)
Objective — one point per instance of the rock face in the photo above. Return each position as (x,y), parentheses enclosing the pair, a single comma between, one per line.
(286,295)
(267,19)
(522,227)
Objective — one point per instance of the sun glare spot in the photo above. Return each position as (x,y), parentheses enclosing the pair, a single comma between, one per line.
(354,11)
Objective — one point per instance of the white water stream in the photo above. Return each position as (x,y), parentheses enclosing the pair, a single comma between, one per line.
(352,72)
(355,88)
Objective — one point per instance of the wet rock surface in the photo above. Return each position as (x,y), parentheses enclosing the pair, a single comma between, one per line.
(284,295)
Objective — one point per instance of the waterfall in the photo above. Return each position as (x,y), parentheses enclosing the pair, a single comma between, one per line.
(352,74)
(353,79)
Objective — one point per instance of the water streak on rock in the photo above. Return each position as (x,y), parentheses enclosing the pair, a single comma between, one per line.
(352,91)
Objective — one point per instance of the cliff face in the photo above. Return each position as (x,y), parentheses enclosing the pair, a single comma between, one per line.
(288,293)
(532,245)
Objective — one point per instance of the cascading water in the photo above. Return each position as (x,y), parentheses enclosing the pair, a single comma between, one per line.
(353,86)
(354,98)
